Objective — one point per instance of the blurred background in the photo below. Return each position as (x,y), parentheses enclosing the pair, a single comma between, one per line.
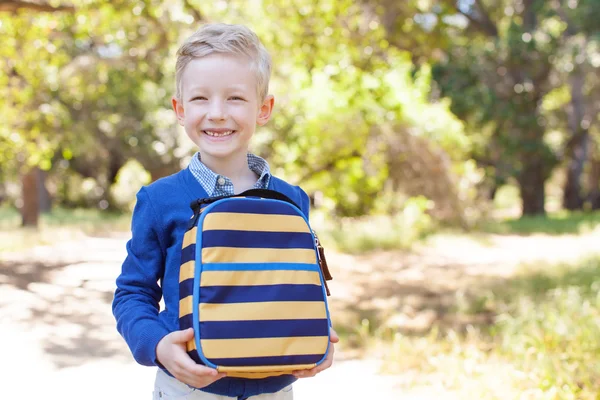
(451,149)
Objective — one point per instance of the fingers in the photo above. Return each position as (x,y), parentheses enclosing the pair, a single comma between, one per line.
(199,378)
(181,336)
(187,371)
(171,353)
(185,363)
(327,362)
(333,336)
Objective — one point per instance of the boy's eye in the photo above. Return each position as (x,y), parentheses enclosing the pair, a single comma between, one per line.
(198,98)
(236,98)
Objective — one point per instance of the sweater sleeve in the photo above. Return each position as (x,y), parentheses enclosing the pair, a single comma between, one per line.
(136,302)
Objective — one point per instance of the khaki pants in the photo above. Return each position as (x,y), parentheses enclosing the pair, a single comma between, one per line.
(169,388)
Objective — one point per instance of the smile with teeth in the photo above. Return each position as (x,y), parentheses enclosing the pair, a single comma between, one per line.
(218,134)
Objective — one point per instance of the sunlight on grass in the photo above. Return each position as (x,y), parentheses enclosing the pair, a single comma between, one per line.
(557,223)
(401,232)
(56,226)
(378,232)
(543,343)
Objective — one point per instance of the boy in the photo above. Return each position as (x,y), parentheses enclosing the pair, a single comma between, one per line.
(222,75)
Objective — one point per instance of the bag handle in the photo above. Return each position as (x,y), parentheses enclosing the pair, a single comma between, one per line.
(267,194)
(264,193)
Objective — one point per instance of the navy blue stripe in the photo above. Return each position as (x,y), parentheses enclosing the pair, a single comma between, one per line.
(263,328)
(187,321)
(256,207)
(247,294)
(260,266)
(188,253)
(194,356)
(276,360)
(186,288)
(252,239)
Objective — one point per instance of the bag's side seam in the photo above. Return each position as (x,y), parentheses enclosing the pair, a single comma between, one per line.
(196,294)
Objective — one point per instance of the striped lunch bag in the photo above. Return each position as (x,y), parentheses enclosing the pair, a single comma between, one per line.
(252,284)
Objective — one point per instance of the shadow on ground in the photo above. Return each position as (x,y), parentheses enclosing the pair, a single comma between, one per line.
(411,294)
(63,307)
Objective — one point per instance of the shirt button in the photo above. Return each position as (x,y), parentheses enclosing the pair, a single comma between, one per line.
(221,181)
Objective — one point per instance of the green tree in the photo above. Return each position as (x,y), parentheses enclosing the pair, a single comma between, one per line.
(95,95)
(581,41)
(497,77)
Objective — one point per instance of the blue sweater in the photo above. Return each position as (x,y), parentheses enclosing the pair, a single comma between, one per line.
(159,221)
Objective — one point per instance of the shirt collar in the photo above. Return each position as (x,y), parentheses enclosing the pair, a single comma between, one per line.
(220,185)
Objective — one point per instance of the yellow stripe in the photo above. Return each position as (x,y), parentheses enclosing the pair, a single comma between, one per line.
(241,372)
(255,375)
(260,255)
(186,271)
(264,347)
(185,306)
(251,278)
(258,311)
(266,368)
(189,237)
(255,222)
(190,345)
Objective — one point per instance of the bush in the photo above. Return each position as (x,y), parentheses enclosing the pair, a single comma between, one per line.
(401,231)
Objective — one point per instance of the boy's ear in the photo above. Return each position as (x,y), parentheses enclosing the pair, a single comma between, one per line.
(179,111)
(264,113)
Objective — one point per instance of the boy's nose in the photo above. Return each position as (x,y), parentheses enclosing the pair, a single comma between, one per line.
(216,111)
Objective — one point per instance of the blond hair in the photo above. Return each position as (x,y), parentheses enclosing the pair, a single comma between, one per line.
(225,39)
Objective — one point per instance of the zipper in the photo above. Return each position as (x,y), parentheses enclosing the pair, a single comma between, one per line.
(322,263)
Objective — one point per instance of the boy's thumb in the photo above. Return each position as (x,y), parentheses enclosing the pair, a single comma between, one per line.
(183,336)
(333,336)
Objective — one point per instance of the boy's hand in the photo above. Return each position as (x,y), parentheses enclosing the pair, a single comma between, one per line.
(307,373)
(171,353)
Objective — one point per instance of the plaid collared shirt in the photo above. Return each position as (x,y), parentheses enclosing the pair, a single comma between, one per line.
(220,185)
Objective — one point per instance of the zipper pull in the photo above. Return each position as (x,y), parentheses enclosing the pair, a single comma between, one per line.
(322,263)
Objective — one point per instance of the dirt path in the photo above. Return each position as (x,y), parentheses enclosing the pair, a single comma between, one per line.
(58,334)
(58,340)
(412,291)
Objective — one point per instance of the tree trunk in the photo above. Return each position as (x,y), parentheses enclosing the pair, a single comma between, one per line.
(45,201)
(161,171)
(594,183)
(577,147)
(115,164)
(531,184)
(30,211)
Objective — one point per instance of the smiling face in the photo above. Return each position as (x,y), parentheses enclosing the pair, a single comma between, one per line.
(219,106)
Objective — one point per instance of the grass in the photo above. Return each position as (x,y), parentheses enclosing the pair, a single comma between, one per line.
(549,322)
(58,225)
(374,233)
(543,342)
(557,223)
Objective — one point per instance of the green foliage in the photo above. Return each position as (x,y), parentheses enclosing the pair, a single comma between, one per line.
(130,178)
(87,101)
(382,232)
(343,94)
(354,82)
(500,70)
